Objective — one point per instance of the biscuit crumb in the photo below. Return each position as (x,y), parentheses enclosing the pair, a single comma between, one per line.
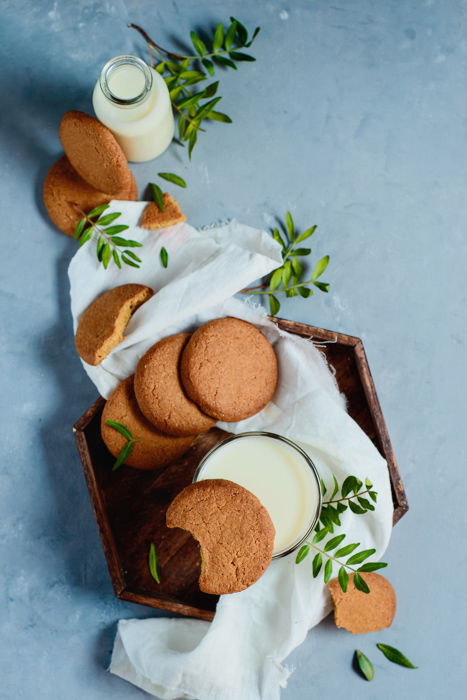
(360,612)
(153,218)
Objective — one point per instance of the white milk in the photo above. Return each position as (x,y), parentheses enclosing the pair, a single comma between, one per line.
(133,101)
(278,474)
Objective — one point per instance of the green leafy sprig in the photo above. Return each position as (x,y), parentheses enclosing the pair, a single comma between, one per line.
(183,74)
(330,518)
(288,279)
(153,563)
(127,448)
(109,244)
(156,191)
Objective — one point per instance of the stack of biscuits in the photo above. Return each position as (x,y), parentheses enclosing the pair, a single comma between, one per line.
(226,370)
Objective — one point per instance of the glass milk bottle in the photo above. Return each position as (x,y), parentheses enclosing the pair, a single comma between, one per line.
(133,101)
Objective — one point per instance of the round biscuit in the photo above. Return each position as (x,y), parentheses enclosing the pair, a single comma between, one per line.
(229,368)
(154,449)
(94,152)
(160,394)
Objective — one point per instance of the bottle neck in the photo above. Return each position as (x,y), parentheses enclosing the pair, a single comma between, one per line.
(126,81)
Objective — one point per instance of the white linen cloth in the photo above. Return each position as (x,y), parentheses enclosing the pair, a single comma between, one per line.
(239,655)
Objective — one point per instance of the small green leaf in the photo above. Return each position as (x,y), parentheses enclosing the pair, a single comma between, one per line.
(364,665)
(396,656)
(277,237)
(320,267)
(116,258)
(86,236)
(372,566)
(255,34)
(302,553)
(317,563)
(289,224)
(365,503)
(128,261)
(79,228)
(106,255)
(360,556)
(356,509)
(204,110)
(374,496)
(297,268)
(348,549)
(108,218)
(230,35)
(306,234)
(276,279)
(113,230)
(239,56)
(327,570)
(164,256)
(97,211)
(323,286)
(223,61)
(242,34)
(300,251)
(336,487)
(320,535)
(153,567)
(124,453)
(219,117)
(209,65)
(117,240)
(157,195)
(120,428)
(323,487)
(132,255)
(333,543)
(343,579)
(99,247)
(347,486)
(160,68)
(171,177)
(368,484)
(305,292)
(274,305)
(198,44)
(211,89)
(192,143)
(218,37)
(360,584)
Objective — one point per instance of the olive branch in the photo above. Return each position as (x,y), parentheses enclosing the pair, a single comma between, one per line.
(352,496)
(182,72)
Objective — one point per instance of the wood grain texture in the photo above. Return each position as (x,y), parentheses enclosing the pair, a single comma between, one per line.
(130,505)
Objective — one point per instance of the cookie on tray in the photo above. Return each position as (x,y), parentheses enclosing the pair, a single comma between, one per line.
(102,324)
(233,528)
(153,218)
(160,394)
(229,368)
(154,449)
(361,612)
(94,152)
(66,195)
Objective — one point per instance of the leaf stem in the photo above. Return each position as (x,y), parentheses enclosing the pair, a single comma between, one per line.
(279,290)
(326,554)
(347,498)
(96,229)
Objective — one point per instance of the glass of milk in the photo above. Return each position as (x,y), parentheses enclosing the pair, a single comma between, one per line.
(279,473)
(133,101)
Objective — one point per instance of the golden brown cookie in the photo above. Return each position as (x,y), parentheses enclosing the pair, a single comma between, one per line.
(233,528)
(160,394)
(229,368)
(102,324)
(64,188)
(94,153)
(361,612)
(154,449)
(153,218)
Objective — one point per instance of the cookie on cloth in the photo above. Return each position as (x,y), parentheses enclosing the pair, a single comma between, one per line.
(234,531)
(153,218)
(361,612)
(229,368)
(94,152)
(63,188)
(102,324)
(160,394)
(154,449)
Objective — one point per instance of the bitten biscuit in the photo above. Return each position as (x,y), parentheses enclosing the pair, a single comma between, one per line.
(154,449)
(361,612)
(66,195)
(160,394)
(102,325)
(153,218)
(233,528)
(229,368)
(94,153)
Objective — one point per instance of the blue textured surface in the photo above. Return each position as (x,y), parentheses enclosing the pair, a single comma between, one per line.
(355,117)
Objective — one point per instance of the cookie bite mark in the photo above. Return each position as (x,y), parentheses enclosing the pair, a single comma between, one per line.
(154,449)
(160,394)
(234,531)
(153,218)
(102,325)
(360,612)
(229,368)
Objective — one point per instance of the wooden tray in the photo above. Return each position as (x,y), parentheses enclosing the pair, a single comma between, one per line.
(130,505)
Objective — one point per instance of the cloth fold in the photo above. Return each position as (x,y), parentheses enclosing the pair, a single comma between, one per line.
(239,656)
